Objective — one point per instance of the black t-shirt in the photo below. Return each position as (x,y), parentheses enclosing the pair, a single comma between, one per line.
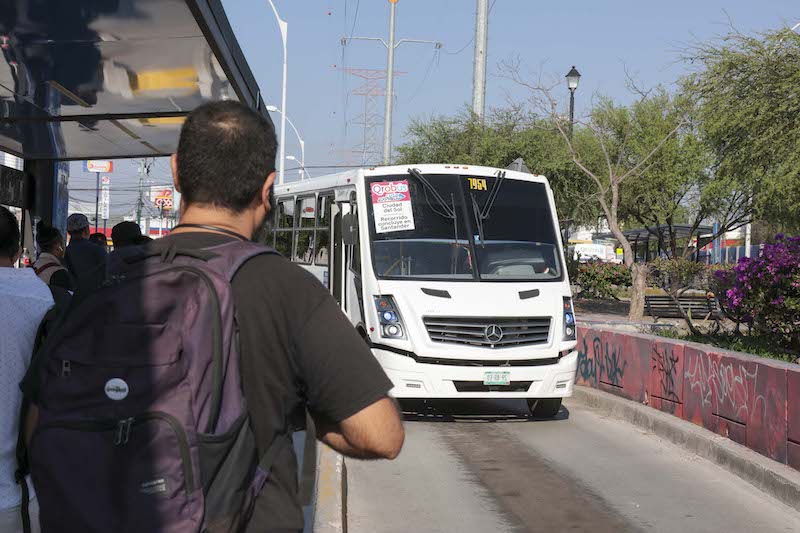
(297,349)
(86,262)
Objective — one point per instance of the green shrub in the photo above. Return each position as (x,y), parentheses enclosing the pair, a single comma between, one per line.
(602,280)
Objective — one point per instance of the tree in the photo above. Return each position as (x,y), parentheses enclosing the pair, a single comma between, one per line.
(680,184)
(611,145)
(508,133)
(748,94)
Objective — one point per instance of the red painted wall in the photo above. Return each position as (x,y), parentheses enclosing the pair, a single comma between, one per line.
(751,400)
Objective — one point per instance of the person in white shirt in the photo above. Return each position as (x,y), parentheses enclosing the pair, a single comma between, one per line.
(24,300)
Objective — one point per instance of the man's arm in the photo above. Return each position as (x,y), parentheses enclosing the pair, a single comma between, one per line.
(375,432)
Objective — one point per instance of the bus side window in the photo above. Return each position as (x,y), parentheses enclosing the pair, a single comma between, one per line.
(304,234)
(284,224)
(323,235)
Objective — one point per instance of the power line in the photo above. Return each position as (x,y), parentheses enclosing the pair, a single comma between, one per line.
(355,18)
(434,57)
(472,40)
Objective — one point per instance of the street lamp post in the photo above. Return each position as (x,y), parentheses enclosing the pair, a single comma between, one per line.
(302,166)
(284,27)
(274,109)
(573,79)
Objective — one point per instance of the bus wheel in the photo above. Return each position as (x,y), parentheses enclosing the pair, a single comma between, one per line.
(547,408)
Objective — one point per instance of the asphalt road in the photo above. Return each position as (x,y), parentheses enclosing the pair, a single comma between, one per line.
(486,467)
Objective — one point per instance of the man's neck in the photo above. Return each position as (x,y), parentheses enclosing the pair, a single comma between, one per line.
(220,218)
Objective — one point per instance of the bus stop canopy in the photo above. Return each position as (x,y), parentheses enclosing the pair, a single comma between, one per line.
(105,79)
(643,234)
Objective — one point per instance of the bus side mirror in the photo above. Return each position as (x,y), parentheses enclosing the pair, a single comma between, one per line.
(350,229)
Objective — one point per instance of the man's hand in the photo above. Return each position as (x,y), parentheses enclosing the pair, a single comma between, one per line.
(375,432)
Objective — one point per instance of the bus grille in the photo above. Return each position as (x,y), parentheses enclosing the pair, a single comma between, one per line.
(488,332)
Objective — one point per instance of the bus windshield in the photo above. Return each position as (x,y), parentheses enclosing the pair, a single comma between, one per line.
(462,228)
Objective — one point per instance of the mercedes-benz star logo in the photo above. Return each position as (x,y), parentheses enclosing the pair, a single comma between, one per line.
(493,333)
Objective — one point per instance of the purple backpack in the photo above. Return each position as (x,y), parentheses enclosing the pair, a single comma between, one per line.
(142,421)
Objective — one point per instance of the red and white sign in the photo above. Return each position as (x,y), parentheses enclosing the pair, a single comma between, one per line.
(392,206)
(99,166)
(163,199)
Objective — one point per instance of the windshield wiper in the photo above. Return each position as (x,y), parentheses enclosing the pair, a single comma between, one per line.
(487,207)
(449,212)
(478,218)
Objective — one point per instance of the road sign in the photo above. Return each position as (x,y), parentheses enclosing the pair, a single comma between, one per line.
(105,202)
(98,166)
(105,180)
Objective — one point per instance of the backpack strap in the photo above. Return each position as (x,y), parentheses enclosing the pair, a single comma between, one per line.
(278,444)
(44,267)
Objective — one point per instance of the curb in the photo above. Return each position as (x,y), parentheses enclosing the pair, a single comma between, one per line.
(778,480)
(330,514)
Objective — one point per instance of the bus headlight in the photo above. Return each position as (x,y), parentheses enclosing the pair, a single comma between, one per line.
(389,317)
(570,330)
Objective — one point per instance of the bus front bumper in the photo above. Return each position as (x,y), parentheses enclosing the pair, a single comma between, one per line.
(420,380)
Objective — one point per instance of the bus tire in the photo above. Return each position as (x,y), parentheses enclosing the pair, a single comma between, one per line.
(546,408)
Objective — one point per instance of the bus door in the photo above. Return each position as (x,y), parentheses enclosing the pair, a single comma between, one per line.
(346,262)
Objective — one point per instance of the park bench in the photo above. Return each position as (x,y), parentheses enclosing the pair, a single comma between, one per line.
(696,306)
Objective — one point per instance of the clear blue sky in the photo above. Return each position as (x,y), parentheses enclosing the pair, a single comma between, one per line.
(600,38)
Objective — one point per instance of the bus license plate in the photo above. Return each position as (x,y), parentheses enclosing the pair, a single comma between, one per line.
(496,378)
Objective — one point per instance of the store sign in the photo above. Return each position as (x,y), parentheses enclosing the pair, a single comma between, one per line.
(163,199)
(13,187)
(98,166)
(392,206)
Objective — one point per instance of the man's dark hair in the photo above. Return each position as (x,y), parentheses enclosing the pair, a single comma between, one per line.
(225,153)
(9,234)
(47,237)
(99,238)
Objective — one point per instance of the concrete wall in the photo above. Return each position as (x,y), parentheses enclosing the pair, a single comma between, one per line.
(751,400)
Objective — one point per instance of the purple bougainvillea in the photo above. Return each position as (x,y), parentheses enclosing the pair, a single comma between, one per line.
(765,291)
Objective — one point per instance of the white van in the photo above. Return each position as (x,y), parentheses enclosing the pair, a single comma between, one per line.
(454,275)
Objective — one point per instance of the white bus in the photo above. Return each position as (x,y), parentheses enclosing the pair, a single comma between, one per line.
(454,276)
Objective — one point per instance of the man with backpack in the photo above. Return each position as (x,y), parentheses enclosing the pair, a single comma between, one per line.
(188,371)
(24,300)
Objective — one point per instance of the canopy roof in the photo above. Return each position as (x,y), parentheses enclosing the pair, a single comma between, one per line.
(104,79)
(643,234)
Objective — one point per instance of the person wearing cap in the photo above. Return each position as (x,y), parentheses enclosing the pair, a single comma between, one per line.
(84,259)
(126,234)
(49,265)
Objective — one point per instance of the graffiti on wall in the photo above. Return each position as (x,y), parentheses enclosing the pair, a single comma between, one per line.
(665,365)
(604,363)
(611,363)
(586,371)
(730,384)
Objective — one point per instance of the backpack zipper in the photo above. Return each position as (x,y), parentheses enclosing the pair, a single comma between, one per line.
(122,428)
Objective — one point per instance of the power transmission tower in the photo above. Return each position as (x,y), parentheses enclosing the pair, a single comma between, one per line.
(391,46)
(479,61)
(368,151)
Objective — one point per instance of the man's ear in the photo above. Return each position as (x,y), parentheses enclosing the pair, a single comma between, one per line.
(266,190)
(173,163)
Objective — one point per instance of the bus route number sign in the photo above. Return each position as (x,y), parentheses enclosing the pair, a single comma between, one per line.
(392,207)
(477,184)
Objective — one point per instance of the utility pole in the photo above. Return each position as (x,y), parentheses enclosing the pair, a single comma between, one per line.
(387,121)
(479,61)
(390,46)
(139,200)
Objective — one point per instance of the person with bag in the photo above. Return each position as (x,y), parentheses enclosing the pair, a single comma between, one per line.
(166,400)
(24,301)
(49,266)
